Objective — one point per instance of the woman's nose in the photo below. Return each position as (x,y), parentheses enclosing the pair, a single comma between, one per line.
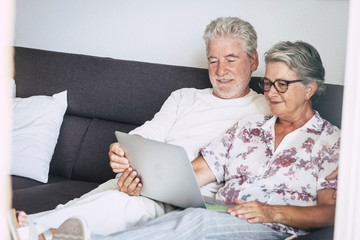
(272,90)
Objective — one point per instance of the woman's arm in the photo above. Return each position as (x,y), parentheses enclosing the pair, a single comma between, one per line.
(305,218)
(203,173)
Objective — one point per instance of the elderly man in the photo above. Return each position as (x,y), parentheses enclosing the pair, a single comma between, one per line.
(190,118)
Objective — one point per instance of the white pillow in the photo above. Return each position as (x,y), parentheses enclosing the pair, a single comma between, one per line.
(13,88)
(36,126)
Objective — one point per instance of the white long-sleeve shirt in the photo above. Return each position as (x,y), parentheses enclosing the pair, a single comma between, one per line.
(192,118)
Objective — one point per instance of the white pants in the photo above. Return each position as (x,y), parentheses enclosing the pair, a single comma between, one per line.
(105,209)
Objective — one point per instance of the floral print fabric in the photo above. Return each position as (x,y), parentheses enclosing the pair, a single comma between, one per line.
(245,159)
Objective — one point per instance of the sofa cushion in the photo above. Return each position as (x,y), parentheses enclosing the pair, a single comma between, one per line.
(92,163)
(18,182)
(22,182)
(326,233)
(47,196)
(72,133)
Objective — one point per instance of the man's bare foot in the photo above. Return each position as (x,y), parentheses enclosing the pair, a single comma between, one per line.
(72,228)
(22,221)
(42,237)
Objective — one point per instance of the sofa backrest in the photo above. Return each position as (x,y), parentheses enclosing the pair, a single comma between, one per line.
(105,95)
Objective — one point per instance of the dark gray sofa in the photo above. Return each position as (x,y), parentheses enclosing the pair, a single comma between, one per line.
(104,95)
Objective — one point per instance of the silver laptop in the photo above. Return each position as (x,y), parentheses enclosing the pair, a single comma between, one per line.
(166,173)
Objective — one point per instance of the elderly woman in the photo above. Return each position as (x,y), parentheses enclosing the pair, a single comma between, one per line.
(274,168)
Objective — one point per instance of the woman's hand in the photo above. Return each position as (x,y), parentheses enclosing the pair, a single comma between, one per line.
(254,212)
(332,176)
(307,218)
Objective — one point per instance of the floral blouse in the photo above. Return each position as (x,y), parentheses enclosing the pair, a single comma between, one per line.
(245,159)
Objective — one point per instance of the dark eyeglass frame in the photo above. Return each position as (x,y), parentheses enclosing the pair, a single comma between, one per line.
(262,86)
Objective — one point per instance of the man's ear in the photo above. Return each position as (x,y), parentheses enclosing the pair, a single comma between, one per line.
(254,60)
(310,90)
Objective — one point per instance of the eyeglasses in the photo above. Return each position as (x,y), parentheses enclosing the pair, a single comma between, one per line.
(280,85)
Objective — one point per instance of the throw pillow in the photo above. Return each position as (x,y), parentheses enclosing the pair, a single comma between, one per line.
(13,87)
(36,126)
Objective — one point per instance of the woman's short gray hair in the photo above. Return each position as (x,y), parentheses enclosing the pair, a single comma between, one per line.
(303,59)
(232,27)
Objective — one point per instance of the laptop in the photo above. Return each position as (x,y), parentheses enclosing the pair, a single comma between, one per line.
(166,173)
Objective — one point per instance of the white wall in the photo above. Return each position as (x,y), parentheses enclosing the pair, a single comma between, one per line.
(170,32)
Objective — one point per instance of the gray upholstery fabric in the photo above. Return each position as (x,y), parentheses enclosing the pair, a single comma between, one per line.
(92,163)
(72,133)
(117,90)
(330,105)
(326,233)
(47,196)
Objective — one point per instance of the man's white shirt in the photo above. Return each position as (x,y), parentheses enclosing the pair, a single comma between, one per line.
(192,118)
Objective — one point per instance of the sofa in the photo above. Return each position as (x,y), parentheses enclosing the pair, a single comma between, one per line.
(103,95)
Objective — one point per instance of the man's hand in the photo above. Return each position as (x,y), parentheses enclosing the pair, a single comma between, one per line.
(254,212)
(129,183)
(332,176)
(118,162)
